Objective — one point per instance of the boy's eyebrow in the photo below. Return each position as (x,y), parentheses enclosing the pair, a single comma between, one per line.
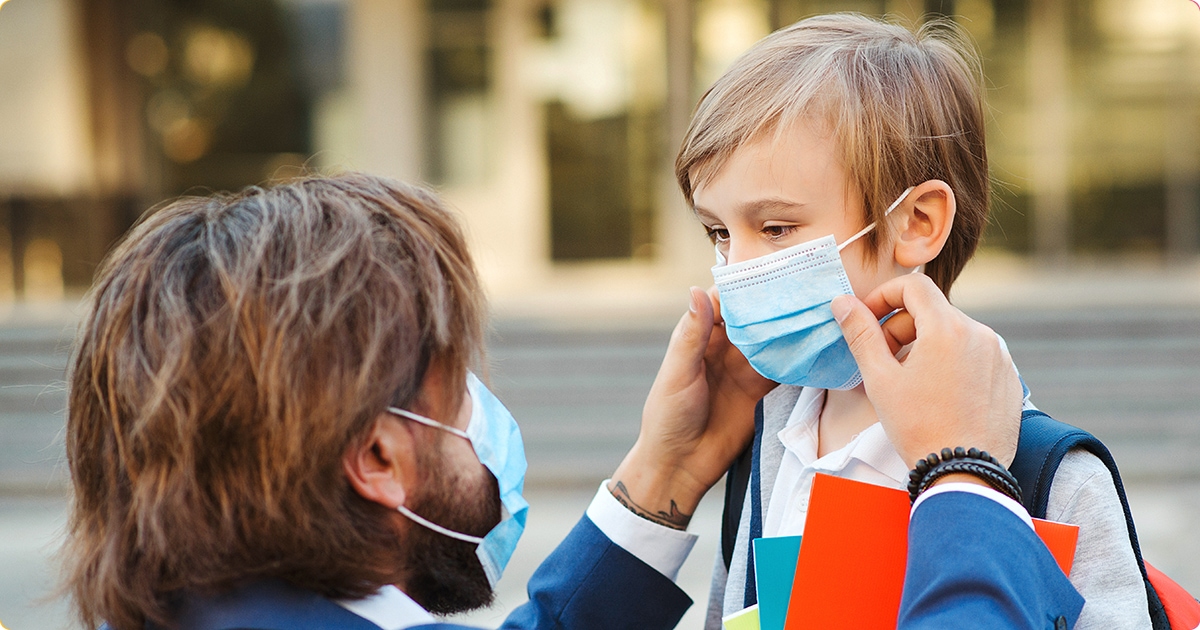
(753,210)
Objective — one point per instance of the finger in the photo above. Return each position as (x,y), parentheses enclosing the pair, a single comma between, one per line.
(864,336)
(689,340)
(899,331)
(718,343)
(715,297)
(914,293)
(699,300)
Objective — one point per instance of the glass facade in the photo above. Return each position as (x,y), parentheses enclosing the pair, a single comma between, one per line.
(568,113)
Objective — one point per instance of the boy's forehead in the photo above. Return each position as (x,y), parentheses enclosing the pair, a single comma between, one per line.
(775,169)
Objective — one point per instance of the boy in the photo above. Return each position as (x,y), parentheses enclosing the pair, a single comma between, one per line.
(843,137)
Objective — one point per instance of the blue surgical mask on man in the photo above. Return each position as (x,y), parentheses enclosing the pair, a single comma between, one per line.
(496,439)
(776,311)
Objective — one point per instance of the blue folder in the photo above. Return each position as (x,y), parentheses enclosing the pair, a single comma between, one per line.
(774,568)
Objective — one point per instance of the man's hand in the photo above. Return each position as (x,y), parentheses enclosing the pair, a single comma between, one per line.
(956,386)
(698,417)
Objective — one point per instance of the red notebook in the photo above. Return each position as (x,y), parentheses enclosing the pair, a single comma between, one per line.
(854,551)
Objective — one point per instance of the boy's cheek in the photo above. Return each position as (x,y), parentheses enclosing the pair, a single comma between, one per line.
(866,275)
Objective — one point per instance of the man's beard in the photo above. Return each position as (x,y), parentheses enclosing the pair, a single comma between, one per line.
(444,574)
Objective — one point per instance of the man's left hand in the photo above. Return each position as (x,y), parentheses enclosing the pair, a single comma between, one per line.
(698,418)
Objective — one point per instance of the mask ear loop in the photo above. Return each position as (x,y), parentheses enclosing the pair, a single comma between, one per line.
(428,422)
(475,540)
(870,227)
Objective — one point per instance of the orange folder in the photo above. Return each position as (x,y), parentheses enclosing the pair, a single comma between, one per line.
(850,572)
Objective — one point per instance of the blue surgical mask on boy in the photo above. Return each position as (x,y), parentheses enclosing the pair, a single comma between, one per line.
(494,435)
(776,311)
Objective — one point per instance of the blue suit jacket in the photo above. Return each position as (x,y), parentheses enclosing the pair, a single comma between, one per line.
(588,582)
(971,563)
(974,564)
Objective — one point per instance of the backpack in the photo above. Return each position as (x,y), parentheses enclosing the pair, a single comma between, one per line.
(1043,443)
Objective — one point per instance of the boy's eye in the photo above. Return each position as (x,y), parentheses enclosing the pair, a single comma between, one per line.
(778,231)
(717,235)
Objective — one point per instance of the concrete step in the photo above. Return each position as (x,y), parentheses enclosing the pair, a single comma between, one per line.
(1131,376)
(46,398)
(35,340)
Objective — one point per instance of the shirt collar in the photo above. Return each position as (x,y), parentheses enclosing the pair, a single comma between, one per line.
(871,446)
(389,608)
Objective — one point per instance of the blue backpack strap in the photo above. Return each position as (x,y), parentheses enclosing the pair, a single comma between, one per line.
(737,480)
(750,597)
(743,477)
(1043,444)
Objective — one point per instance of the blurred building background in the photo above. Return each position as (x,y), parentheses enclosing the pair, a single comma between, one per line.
(551,124)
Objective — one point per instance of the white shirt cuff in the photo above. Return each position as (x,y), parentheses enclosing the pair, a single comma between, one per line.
(973,488)
(659,546)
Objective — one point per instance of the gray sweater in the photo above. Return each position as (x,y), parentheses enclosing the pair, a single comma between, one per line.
(1105,570)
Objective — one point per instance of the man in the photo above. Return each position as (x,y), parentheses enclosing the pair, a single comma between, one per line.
(272,424)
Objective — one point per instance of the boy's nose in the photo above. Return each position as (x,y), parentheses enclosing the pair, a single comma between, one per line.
(739,251)
(735,249)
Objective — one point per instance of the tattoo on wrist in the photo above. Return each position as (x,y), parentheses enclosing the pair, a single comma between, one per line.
(673,519)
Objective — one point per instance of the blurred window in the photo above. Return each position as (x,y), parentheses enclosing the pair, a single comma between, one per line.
(460,79)
(229,87)
(602,77)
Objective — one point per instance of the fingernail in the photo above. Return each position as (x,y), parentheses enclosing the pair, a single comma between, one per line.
(692,300)
(840,307)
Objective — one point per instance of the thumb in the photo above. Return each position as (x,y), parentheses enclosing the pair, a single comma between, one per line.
(864,336)
(689,341)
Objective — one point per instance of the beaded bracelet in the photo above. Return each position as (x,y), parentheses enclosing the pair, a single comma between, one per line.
(970,461)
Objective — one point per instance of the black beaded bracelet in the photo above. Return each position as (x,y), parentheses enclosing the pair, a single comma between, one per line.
(970,461)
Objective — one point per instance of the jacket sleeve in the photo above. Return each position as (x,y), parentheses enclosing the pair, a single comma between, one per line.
(973,563)
(590,582)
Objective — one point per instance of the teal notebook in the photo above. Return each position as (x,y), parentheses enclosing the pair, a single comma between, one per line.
(774,568)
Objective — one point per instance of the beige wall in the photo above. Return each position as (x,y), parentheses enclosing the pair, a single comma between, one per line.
(44,137)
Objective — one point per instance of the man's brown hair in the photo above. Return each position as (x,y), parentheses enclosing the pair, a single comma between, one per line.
(236,346)
(905,108)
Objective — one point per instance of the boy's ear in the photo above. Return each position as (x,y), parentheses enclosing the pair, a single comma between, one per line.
(381,468)
(928,216)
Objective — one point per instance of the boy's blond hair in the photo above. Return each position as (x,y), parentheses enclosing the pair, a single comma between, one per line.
(904,107)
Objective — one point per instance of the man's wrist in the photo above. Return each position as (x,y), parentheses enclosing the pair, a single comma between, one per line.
(960,461)
(661,547)
(659,493)
(959,478)
(671,516)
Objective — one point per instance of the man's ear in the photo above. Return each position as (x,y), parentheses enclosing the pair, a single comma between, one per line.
(928,216)
(382,468)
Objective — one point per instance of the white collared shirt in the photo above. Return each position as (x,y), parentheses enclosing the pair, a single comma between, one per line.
(868,457)
(390,609)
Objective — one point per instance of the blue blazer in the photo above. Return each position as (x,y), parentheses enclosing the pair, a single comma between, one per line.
(971,563)
(587,582)
(974,564)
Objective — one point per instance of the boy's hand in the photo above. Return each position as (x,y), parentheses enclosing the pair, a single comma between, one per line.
(955,387)
(698,417)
